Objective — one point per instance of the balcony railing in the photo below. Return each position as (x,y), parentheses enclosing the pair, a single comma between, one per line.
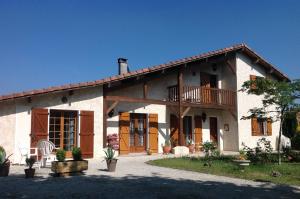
(203,95)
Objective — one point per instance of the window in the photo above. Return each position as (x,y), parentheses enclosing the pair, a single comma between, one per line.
(261,126)
(63,129)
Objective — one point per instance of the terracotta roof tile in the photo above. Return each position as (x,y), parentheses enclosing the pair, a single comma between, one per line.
(242,46)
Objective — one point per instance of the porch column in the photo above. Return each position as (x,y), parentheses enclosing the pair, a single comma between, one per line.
(180,92)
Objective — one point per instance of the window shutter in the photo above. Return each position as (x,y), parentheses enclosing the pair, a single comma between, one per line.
(254,126)
(87,133)
(39,125)
(253,78)
(153,132)
(124,122)
(198,129)
(269,126)
(174,129)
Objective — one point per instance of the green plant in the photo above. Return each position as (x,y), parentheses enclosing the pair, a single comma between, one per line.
(189,142)
(109,153)
(209,148)
(167,142)
(149,151)
(30,162)
(3,158)
(76,153)
(61,155)
(295,141)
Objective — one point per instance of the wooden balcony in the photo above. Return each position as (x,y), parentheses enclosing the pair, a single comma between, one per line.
(204,96)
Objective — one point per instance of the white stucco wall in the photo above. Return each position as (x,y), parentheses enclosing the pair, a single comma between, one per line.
(7,126)
(245,68)
(89,99)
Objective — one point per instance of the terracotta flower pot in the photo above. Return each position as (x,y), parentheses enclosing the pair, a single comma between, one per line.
(29,173)
(166,149)
(111,165)
(4,169)
(191,148)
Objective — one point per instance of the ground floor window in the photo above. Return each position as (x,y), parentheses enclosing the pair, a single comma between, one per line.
(63,129)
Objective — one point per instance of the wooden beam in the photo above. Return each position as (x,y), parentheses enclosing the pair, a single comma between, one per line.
(187,109)
(112,106)
(104,118)
(180,93)
(231,66)
(256,61)
(139,100)
(145,90)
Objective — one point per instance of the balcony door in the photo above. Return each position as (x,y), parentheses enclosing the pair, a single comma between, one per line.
(137,137)
(63,130)
(208,83)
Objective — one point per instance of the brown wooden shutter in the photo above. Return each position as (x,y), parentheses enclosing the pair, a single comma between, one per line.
(124,130)
(174,135)
(153,132)
(87,133)
(253,78)
(39,125)
(198,129)
(254,126)
(269,126)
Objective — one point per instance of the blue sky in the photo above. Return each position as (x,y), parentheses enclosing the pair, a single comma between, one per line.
(48,43)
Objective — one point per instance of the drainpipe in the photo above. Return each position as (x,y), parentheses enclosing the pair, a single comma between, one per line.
(147,130)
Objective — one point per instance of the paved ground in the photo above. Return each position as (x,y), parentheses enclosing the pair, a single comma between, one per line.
(135,179)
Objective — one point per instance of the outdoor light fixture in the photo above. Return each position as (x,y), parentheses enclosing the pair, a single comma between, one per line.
(111,113)
(214,67)
(64,99)
(203,117)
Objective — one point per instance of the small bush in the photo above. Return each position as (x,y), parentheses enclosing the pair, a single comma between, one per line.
(2,155)
(76,153)
(209,148)
(296,142)
(30,162)
(262,153)
(61,155)
(113,141)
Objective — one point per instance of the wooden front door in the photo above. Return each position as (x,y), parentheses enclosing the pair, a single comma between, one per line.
(63,130)
(137,136)
(187,128)
(208,82)
(213,126)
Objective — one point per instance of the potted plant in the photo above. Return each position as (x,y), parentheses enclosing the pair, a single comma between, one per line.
(4,163)
(29,173)
(191,145)
(167,147)
(149,151)
(241,159)
(63,167)
(111,161)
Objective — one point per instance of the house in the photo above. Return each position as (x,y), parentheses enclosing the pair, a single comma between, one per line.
(195,98)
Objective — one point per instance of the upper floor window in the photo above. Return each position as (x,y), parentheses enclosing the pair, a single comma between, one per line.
(261,126)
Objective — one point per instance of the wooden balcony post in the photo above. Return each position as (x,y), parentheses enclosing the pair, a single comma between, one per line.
(104,117)
(180,93)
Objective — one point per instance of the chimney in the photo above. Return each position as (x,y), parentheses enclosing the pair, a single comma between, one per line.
(123,66)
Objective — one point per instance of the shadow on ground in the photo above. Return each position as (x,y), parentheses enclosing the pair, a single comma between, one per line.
(130,186)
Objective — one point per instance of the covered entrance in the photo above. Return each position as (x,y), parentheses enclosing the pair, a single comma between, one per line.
(137,136)
(138,132)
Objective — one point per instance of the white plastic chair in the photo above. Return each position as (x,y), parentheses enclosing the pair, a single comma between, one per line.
(46,148)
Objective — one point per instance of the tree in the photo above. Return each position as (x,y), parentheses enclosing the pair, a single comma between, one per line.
(290,124)
(278,98)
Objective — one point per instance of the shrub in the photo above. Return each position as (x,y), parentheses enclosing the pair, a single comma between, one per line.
(76,153)
(296,142)
(113,141)
(209,148)
(30,162)
(61,155)
(2,155)
(262,153)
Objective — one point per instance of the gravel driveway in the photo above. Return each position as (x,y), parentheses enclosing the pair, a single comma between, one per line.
(135,179)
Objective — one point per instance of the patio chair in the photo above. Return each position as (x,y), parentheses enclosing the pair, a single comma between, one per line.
(46,149)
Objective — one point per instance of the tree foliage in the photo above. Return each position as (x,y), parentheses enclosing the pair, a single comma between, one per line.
(279,97)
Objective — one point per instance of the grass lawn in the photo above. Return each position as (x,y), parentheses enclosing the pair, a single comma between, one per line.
(290,172)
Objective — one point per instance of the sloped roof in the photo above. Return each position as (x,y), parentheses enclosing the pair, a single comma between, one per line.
(240,47)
